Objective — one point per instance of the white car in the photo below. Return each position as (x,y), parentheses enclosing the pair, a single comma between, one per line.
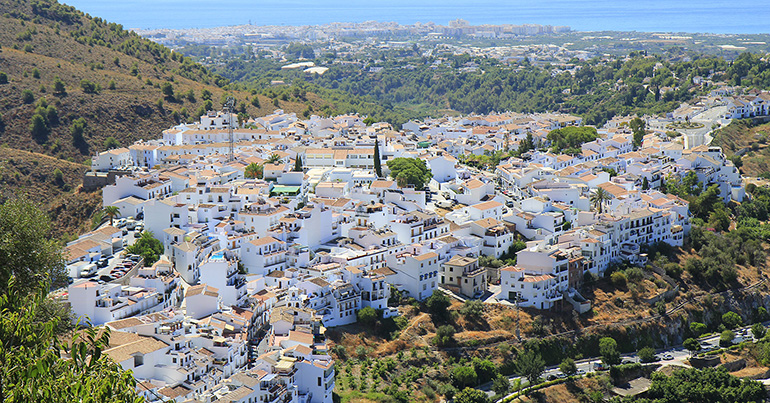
(88,271)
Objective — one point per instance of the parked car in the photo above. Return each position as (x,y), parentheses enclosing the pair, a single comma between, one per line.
(580,371)
(668,356)
(551,377)
(103,262)
(106,278)
(599,366)
(139,228)
(88,271)
(444,203)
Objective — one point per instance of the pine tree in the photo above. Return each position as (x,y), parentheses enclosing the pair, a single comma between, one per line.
(377,161)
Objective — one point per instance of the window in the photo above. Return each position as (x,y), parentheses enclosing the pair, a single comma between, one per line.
(319,381)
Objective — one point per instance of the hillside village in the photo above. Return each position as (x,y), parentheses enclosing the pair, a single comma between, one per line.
(256,267)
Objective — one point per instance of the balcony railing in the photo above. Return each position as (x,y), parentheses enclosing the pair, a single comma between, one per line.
(475,272)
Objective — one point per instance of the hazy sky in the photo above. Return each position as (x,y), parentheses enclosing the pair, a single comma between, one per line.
(739,16)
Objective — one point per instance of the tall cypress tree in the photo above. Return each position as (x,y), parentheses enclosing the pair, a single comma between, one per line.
(377,161)
(298,164)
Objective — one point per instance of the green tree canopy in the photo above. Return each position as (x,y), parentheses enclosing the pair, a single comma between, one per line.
(35,366)
(568,367)
(367,316)
(726,338)
(27,96)
(485,369)
(646,354)
(691,344)
(501,385)
(167,89)
(569,139)
(410,171)
(27,251)
(697,328)
(701,385)
(530,365)
(608,348)
(445,335)
(300,51)
(438,303)
(111,143)
(58,86)
(147,247)
(731,320)
(637,126)
(464,376)
(39,128)
(688,185)
(88,87)
(470,395)
(298,164)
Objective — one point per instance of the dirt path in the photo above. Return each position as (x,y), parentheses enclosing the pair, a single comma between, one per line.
(412,335)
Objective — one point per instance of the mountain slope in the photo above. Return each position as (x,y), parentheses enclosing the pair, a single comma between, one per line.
(42,40)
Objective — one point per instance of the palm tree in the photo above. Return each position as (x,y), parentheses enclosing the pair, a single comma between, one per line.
(253,170)
(598,197)
(273,158)
(112,212)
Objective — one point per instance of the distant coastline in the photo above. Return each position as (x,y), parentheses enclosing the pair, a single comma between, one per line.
(707,16)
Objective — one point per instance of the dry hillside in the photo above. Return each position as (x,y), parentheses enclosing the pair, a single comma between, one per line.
(113,80)
(750,141)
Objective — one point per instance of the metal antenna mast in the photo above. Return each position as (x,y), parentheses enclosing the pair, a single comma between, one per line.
(228,107)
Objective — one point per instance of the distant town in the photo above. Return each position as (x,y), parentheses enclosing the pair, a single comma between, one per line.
(472,39)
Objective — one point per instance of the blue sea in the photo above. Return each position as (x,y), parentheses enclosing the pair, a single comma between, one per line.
(714,16)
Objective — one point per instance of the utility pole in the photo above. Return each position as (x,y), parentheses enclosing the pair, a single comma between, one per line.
(229,107)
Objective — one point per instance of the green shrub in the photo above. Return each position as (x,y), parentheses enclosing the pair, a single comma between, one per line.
(27,97)
(618,279)
(88,87)
(731,320)
(646,354)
